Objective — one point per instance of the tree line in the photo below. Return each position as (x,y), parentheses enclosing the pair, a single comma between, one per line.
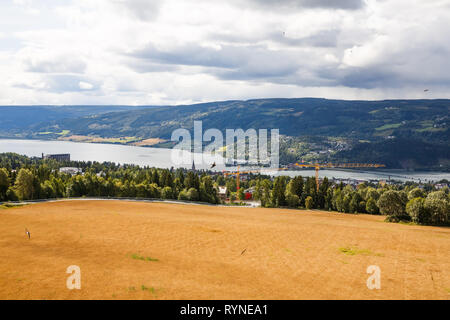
(23,178)
(407,201)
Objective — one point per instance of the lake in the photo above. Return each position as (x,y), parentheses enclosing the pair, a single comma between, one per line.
(162,158)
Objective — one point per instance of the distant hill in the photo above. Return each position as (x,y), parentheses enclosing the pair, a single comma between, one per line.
(342,129)
(402,153)
(23,117)
(294,117)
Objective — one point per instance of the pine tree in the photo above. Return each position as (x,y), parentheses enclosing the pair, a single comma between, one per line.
(278,192)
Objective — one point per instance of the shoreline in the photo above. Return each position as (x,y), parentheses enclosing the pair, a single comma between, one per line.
(394,173)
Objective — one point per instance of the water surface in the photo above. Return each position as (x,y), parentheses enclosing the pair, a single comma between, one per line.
(162,158)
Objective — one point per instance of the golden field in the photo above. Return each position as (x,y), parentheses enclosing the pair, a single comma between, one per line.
(138,250)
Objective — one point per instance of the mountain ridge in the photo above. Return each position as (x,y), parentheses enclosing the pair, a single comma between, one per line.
(312,126)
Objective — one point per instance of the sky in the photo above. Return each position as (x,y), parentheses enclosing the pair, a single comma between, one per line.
(144,52)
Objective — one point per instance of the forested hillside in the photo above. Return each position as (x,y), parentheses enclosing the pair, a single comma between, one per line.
(427,119)
(408,134)
(19,119)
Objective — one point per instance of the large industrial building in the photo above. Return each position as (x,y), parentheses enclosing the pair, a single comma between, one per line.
(57,157)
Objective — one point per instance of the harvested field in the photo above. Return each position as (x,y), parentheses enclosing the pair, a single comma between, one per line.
(148,142)
(133,250)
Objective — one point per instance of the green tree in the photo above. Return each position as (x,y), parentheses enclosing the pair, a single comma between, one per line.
(193,194)
(322,193)
(166,193)
(346,203)
(372,193)
(154,191)
(348,189)
(4,183)
(334,199)
(207,191)
(231,185)
(179,174)
(293,201)
(263,192)
(177,186)
(438,206)
(241,194)
(415,208)
(309,202)
(192,181)
(183,195)
(391,203)
(295,186)
(47,190)
(76,187)
(278,192)
(329,200)
(416,193)
(155,176)
(371,206)
(220,180)
(11,195)
(354,205)
(24,184)
(338,200)
(309,189)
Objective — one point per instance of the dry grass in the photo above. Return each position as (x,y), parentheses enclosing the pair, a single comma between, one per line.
(288,254)
(91,139)
(148,142)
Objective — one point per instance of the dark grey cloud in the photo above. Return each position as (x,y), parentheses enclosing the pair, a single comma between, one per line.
(248,61)
(334,4)
(192,55)
(392,73)
(147,66)
(322,38)
(142,9)
(326,4)
(295,66)
(255,63)
(55,65)
(359,77)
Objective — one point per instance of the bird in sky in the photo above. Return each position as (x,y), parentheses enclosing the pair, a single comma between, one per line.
(27,233)
(243,251)
(426,90)
(213,165)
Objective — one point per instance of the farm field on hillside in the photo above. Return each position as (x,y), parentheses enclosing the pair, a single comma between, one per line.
(132,250)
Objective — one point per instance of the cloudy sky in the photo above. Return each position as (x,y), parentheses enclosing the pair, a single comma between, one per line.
(171,52)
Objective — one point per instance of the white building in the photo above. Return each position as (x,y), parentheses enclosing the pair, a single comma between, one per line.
(70,170)
(222,192)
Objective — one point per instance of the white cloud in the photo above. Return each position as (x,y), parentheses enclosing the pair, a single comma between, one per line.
(85,85)
(145,52)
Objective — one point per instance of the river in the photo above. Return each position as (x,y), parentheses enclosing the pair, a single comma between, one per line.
(162,158)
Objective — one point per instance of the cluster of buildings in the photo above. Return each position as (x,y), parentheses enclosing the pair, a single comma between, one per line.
(222,193)
(63,157)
